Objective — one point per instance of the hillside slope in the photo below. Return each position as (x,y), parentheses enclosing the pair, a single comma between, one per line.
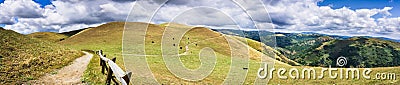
(359,51)
(313,49)
(23,58)
(49,36)
(108,37)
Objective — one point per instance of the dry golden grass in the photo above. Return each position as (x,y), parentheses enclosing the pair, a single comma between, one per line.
(23,58)
(49,36)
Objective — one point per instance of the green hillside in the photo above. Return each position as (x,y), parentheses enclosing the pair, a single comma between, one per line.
(359,51)
(23,58)
(108,37)
(54,37)
(313,49)
(49,36)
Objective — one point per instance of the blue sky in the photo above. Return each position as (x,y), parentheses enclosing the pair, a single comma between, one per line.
(364,4)
(380,18)
(43,2)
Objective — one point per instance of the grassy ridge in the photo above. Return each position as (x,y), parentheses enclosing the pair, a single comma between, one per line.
(108,37)
(23,58)
(49,36)
(195,40)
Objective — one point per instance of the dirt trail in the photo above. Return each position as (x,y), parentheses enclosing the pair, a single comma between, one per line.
(67,75)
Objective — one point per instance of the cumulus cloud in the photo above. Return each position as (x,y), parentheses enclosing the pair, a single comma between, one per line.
(307,16)
(21,8)
(210,13)
(91,12)
(26,16)
(11,9)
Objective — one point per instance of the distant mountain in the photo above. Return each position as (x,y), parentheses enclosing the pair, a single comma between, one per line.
(346,37)
(253,34)
(280,39)
(359,51)
(384,38)
(315,49)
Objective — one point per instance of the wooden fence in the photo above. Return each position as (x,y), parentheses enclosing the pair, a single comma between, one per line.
(114,72)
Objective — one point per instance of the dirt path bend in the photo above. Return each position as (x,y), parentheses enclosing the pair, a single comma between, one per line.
(67,75)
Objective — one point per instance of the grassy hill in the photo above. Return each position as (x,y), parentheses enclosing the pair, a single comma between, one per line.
(70,33)
(49,36)
(23,58)
(54,37)
(108,37)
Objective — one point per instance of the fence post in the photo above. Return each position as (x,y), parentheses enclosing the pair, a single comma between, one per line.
(103,65)
(109,74)
(102,62)
(127,77)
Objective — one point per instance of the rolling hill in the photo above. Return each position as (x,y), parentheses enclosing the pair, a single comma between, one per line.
(23,58)
(54,37)
(359,51)
(313,49)
(108,37)
(49,36)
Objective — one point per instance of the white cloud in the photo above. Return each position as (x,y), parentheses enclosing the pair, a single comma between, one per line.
(92,12)
(286,15)
(109,8)
(307,16)
(211,13)
(76,27)
(11,9)
(20,8)
(26,16)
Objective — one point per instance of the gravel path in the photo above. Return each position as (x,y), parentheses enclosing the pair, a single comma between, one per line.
(67,75)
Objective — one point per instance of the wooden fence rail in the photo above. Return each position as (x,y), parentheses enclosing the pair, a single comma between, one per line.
(113,69)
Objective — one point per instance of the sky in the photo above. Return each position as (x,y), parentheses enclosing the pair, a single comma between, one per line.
(378,18)
(365,4)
